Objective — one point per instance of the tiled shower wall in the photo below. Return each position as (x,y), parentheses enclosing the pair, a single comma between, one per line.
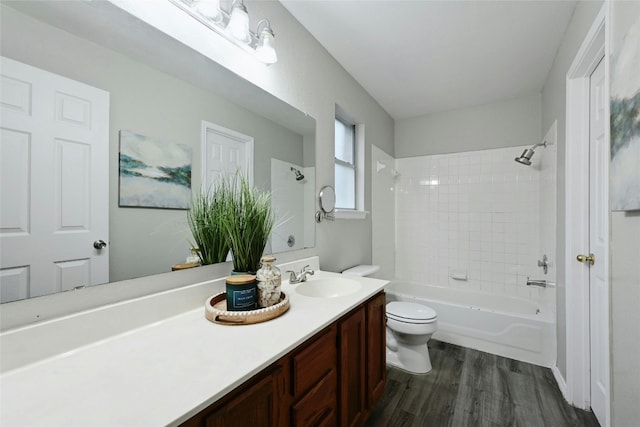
(293,203)
(469,220)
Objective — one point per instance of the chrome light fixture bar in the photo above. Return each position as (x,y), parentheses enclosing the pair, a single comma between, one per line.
(233,26)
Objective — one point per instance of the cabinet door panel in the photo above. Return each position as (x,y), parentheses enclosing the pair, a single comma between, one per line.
(255,407)
(313,362)
(376,349)
(319,406)
(352,369)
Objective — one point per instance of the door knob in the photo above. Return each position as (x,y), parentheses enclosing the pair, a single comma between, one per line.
(99,244)
(591,259)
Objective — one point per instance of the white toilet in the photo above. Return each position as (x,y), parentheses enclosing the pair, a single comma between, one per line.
(409,327)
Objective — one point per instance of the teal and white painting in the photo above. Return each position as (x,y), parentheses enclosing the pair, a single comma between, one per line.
(625,120)
(154,174)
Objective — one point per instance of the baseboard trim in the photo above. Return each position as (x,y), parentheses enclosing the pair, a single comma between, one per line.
(562,385)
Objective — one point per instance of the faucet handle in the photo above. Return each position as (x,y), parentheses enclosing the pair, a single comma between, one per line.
(292,276)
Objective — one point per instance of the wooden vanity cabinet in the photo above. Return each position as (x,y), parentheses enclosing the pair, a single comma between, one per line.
(352,368)
(376,356)
(333,379)
(257,405)
(362,361)
(314,381)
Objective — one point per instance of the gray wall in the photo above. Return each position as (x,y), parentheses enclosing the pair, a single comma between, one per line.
(625,275)
(625,318)
(151,103)
(496,125)
(308,78)
(554,108)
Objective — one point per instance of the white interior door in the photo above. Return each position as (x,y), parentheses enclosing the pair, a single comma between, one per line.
(54,182)
(225,151)
(598,241)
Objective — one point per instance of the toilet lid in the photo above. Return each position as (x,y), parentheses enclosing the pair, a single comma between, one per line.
(410,312)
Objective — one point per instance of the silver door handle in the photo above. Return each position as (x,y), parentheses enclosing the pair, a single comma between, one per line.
(99,244)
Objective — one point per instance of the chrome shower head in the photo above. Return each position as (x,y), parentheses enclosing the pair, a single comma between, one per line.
(525,157)
(299,175)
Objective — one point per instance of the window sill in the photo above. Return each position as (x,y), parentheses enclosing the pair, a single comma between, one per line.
(350,214)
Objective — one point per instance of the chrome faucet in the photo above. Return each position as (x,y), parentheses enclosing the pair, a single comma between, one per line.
(300,277)
(535,282)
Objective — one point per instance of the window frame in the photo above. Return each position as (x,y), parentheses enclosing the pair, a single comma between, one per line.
(353,166)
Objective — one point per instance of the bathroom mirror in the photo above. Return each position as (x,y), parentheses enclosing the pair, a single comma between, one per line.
(160,88)
(327,199)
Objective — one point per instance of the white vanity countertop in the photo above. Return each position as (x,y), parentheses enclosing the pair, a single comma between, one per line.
(166,372)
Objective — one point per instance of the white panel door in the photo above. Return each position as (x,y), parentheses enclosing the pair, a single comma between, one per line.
(54,153)
(598,240)
(224,152)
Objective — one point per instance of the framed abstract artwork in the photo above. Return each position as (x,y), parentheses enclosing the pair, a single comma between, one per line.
(153,173)
(625,112)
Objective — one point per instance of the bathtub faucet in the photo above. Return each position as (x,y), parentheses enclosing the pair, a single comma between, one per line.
(541,283)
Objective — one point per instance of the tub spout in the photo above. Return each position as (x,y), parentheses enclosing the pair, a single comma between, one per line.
(533,282)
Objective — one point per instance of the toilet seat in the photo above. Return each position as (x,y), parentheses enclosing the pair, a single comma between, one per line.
(409,312)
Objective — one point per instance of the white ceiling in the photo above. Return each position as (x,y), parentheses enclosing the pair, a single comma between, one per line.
(419,57)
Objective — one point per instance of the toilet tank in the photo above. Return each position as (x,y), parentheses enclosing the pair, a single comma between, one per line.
(361,270)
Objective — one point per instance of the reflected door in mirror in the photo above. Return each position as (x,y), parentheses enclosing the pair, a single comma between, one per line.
(54,196)
(225,152)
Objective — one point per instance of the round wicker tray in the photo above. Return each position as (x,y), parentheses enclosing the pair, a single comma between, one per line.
(216,311)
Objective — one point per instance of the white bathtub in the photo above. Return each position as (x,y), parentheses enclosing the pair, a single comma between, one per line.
(507,326)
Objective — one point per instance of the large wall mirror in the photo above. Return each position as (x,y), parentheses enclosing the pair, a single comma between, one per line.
(161,89)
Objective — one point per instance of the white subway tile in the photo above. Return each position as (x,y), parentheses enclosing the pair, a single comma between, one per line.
(484,215)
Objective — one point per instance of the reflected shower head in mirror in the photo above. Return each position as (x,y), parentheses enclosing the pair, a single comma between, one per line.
(299,175)
(525,157)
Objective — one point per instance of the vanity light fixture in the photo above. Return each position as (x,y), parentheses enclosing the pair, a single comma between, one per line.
(265,50)
(209,9)
(238,26)
(234,26)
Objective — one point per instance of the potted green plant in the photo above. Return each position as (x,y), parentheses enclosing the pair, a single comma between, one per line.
(249,221)
(206,221)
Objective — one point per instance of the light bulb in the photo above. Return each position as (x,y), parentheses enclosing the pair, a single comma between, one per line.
(239,23)
(265,51)
(210,9)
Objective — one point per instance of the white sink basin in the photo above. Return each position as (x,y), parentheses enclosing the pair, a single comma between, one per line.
(327,288)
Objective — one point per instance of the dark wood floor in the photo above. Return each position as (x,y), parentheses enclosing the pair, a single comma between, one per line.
(470,388)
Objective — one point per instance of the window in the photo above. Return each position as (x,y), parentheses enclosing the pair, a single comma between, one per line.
(345,165)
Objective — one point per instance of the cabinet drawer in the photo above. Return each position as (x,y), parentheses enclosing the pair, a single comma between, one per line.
(319,406)
(313,362)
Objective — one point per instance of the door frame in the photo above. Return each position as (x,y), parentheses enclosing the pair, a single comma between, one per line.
(595,46)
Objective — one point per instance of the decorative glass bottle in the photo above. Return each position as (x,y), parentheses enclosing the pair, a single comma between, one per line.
(269,280)
(194,257)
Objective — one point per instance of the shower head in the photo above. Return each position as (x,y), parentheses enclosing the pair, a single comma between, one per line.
(299,175)
(525,157)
